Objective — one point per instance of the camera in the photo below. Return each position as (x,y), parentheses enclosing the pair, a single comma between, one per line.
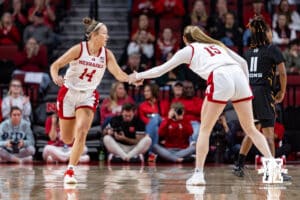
(15,148)
(179,111)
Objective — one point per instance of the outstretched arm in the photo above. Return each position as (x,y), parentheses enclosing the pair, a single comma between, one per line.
(114,68)
(182,56)
(241,61)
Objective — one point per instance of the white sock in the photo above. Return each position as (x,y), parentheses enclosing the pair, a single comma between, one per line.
(198,170)
(71,167)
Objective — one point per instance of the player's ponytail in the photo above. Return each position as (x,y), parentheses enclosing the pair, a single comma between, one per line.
(195,34)
(91,25)
(258,28)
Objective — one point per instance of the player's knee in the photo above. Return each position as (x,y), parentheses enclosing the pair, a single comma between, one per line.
(249,130)
(82,129)
(67,139)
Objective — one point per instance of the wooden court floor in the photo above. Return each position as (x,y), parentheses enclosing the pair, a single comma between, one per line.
(166,182)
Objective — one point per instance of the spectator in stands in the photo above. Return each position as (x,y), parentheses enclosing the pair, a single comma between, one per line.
(293,17)
(150,111)
(231,33)
(292,57)
(174,132)
(33,58)
(234,140)
(9,33)
(216,21)
(143,24)
(134,63)
(16,98)
(42,33)
(177,90)
(112,105)
(45,9)
(282,34)
(198,16)
(125,136)
(257,10)
(143,7)
(56,150)
(169,8)
(16,138)
(218,139)
(143,46)
(165,44)
(19,15)
(192,105)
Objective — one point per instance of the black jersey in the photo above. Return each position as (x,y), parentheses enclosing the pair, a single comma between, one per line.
(262,64)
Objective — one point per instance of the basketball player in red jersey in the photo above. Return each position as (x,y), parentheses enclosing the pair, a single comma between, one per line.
(77,98)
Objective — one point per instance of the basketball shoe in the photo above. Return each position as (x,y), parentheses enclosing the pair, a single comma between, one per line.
(196,179)
(69,177)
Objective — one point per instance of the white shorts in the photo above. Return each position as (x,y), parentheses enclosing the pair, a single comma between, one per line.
(228,83)
(68,101)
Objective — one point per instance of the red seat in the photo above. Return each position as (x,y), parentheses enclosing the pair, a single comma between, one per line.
(8,52)
(174,23)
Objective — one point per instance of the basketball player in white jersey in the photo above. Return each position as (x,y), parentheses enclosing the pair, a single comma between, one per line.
(227,79)
(77,99)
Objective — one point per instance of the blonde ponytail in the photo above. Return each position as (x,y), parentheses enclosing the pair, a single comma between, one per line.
(195,34)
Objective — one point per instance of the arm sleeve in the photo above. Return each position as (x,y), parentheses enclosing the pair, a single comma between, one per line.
(241,61)
(182,56)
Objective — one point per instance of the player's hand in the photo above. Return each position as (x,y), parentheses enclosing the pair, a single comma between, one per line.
(59,80)
(132,78)
(138,83)
(279,97)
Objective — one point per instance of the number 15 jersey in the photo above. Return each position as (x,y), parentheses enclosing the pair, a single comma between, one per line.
(86,72)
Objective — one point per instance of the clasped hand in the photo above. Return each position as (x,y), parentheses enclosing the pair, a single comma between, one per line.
(133,80)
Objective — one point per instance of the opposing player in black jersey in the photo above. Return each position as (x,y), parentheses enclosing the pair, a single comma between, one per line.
(263,58)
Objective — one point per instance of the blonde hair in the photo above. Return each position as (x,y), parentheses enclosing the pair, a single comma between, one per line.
(113,95)
(195,34)
(91,26)
(194,14)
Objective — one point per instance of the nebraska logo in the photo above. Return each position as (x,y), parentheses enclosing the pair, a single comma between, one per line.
(92,64)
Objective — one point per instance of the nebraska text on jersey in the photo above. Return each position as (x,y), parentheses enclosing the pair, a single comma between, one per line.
(92,64)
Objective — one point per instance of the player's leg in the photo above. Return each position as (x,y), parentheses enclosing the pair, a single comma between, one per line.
(245,116)
(84,118)
(269,134)
(209,115)
(67,130)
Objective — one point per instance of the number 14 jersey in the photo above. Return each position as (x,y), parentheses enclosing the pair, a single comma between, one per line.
(86,72)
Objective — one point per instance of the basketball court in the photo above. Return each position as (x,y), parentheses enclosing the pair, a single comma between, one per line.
(123,181)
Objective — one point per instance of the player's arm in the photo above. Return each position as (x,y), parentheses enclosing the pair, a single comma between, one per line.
(283,79)
(114,68)
(71,54)
(241,61)
(180,57)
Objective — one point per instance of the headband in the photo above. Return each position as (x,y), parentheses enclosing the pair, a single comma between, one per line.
(96,27)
